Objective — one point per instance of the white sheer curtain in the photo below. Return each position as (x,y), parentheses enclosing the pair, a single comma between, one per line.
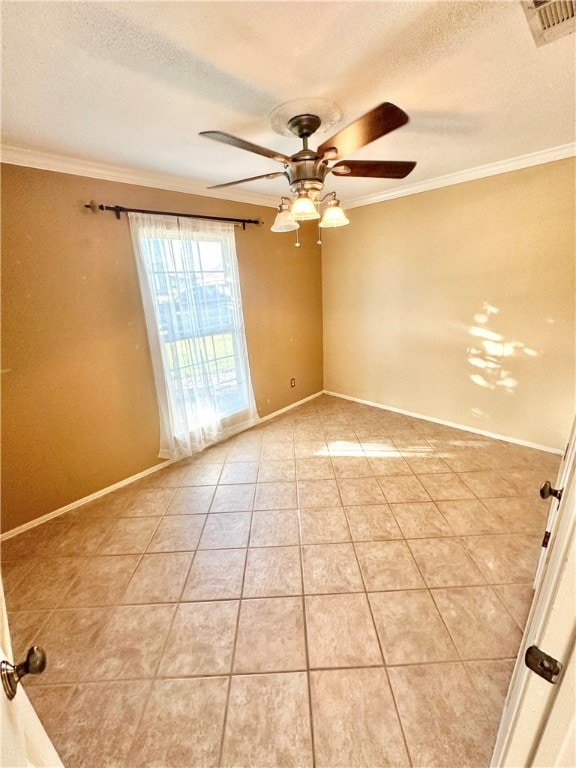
(190,287)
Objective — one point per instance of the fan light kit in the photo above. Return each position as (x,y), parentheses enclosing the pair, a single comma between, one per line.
(306,170)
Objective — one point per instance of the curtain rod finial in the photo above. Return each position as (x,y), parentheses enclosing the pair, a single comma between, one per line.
(94,207)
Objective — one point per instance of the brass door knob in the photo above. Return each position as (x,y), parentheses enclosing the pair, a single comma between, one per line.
(33,664)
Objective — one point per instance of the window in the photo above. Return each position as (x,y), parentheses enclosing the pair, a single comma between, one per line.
(191,293)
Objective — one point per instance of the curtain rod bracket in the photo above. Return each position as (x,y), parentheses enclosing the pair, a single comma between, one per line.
(119,209)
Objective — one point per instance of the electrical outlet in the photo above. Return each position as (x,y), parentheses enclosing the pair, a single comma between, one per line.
(292,382)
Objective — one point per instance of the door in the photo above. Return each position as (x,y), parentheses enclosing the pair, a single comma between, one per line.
(538,721)
(24,740)
(551,524)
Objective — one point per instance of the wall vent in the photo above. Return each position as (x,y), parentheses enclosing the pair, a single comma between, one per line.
(550,19)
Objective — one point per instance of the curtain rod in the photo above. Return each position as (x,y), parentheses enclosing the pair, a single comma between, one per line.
(118,209)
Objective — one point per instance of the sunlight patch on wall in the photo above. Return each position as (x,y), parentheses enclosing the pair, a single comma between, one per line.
(491,355)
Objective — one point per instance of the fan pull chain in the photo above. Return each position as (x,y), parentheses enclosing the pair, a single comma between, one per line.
(297,243)
(319,241)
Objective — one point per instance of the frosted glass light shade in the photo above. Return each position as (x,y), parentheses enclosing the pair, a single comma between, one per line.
(283,224)
(334,216)
(303,208)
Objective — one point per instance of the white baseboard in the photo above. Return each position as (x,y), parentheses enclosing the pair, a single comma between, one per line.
(463,427)
(85,500)
(164,464)
(127,481)
(290,407)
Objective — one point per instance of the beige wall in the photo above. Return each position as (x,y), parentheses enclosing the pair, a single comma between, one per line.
(404,284)
(78,400)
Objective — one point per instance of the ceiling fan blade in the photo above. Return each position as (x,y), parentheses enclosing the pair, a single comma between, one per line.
(379,169)
(382,119)
(234,141)
(252,178)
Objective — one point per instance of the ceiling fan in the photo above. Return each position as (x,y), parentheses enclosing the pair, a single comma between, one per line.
(307,169)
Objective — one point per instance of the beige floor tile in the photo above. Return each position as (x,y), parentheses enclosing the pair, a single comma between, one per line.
(314,468)
(177,533)
(215,575)
(45,585)
(50,703)
(69,637)
(238,472)
(273,572)
(384,466)
(372,522)
(270,636)
(81,538)
(110,505)
(431,701)
(318,493)
(130,644)
(13,573)
(101,720)
(193,500)
(525,481)
(73,602)
(330,568)
(427,464)
(520,515)
(233,498)
(445,562)
(277,470)
(242,453)
(228,530)
(364,490)
(518,599)
(129,536)
(35,541)
(323,525)
(202,474)
(488,484)
(491,680)
(26,630)
(505,558)
(102,581)
(340,631)
(403,488)
(201,640)
(478,625)
(182,724)
(421,520)
(148,503)
(445,487)
(275,450)
(168,477)
(410,628)
(355,720)
(388,565)
(351,466)
(275,528)
(268,723)
(159,578)
(277,495)
(348,446)
(470,516)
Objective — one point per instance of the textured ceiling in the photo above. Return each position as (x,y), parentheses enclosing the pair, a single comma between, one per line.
(130,85)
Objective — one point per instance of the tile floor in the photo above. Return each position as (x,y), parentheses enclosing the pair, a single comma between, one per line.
(340,586)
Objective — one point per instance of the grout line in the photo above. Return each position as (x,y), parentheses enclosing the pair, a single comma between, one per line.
(306,642)
(233,656)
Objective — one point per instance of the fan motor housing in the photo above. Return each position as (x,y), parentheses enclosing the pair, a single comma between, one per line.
(307,173)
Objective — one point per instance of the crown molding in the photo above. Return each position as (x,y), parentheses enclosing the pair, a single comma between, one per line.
(473,174)
(122,174)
